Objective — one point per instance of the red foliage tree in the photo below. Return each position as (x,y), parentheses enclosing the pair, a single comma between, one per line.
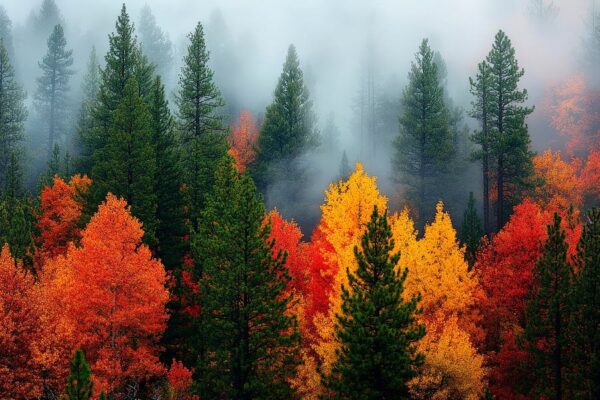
(179,380)
(242,141)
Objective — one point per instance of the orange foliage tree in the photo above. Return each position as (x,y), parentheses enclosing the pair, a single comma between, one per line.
(242,141)
(560,186)
(179,382)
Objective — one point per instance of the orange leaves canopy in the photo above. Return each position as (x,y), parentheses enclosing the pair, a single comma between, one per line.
(242,141)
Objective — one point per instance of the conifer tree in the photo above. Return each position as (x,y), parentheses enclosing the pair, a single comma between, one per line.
(470,230)
(482,110)
(509,137)
(53,86)
(6,32)
(12,113)
(251,339)
(584,327)
(548,314)
(377,329)
(345,170)
(289,128)
(201,127)
(89,86)
(79,384)
(424,145)
(155,43)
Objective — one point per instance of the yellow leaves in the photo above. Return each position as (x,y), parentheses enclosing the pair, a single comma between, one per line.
(561,185)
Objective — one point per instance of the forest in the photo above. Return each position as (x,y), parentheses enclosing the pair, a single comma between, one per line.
(200,202)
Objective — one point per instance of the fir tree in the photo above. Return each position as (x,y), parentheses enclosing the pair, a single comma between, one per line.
(377,329)
(548,314)
(79,384)
(289,127)
(12,113)
(470,230)
(482,110)
(424,146)
(53,85)
(345,170)
(585,325)
(89,87)
(6,32)
(155,43)
(251,339)
(509,137)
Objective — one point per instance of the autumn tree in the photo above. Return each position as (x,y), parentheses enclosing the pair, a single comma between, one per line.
(560,186)
(179,382)
(377,329)
(243,141)
(79,384)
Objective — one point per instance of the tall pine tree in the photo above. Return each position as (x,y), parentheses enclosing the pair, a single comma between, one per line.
(377,329)
(424,146)
(85,123)
(79,383)
(6,31)
(470,230)
(155,43)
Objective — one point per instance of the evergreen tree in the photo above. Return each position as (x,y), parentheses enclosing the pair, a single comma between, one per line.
(548,314)
(470,230)
(53,167)
(155,43)
(251,343)
(377,329)
(289,127)
(12,113)
(509,137)
(53,86)
(585,325)
(345,170)
(482,110)
(6,32)
(424,146)
(201,127)
(170,207)
(89,87)
(126,164)
(79,384)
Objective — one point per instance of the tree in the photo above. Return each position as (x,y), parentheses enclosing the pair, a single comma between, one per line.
(377,329)
(79,386)
(243,140)
(424,145)
(171,228)
(289,127)
(198,101)
(586,317)
(470,230)
(155,43)
(90,86)
(482,110)
(12,113)
(16,223)
(548,313)
(6,32)
(126,164)
(344,171)
(251,340)
(53,85)
(560,186)
(510,138)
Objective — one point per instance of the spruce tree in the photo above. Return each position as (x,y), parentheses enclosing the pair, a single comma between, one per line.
(509,136)
(6,32)
(79,383)
(482,110)
(89,87)
(424,146)
(548,314)
(12,113)
(585,324)
(251,343)
(377,329)
(201,127)
(470,230)
(53,85)
(155,43)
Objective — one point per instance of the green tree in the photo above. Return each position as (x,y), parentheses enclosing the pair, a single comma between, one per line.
(509,136)
(377,329)
(53,85)
(251,339)
(79,384)
(424,146)
(482,110)
(12,113)
(155,43)
(345,170)
(85,123)
(548,314)
(6,31)
(585,324)
(470,230)
(289,129)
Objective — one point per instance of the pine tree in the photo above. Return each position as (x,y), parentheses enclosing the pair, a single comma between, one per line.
(345,170)
(424,146)
(584,328)
(289,127)
(251,339)
(548,313)
(89,86)
(155,43)
(79,386)
(377,328)
(470,230)
(126,164)
(6,32)
(16,223)
(482,110)
(509,137)
(170,206)
(12,113)
(53,86)
(200,125)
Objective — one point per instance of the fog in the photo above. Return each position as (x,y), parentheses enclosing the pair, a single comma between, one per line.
(337,41)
